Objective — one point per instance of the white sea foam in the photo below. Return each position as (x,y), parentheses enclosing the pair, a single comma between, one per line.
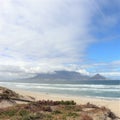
(75,88)
(92,89)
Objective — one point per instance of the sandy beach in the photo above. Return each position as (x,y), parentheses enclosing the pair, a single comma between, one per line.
(114,105)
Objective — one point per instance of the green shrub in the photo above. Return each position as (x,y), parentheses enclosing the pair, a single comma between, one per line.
(72,114)
(9,113)
(69,107)
(23,112)
(48,117)
(57,112)
(67,102)
(33,117)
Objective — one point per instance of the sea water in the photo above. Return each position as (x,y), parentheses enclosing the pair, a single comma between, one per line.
(107,89)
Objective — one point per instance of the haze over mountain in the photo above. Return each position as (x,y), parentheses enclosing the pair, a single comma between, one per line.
(67,76)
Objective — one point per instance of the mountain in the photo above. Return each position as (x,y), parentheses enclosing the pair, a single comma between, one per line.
(97,77)
(66,76)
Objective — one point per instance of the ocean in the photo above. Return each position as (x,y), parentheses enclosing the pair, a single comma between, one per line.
(107,89)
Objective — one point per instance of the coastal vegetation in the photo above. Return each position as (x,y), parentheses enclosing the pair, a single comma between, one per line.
(55,110)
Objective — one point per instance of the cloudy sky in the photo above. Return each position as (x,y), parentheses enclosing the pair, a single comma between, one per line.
(48,35)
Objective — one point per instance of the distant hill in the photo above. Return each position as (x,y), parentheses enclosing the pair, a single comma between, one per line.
(67,75)
(97,77)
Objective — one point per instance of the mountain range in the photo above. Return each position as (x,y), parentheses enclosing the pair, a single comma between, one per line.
(67,75)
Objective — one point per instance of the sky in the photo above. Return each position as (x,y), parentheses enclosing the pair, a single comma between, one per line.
(49,35)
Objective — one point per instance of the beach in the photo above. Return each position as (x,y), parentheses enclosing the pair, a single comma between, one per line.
(113,105)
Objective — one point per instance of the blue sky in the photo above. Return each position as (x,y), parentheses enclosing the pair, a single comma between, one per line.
(48,35)
(104,51)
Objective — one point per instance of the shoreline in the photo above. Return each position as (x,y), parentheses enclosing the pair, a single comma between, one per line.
(113,105)
(69,95)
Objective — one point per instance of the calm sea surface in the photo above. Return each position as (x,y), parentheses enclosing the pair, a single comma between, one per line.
(109,89)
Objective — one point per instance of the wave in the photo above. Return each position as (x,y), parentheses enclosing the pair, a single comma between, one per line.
(108,98)
(98,91)
(70,89)
(66,86)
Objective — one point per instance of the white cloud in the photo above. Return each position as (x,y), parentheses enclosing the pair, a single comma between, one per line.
(45,30)
(107,69)
(83,71)
(46,35)
(24,70)
(111,74)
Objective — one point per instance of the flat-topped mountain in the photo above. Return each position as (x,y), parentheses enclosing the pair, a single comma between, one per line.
(68,75)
